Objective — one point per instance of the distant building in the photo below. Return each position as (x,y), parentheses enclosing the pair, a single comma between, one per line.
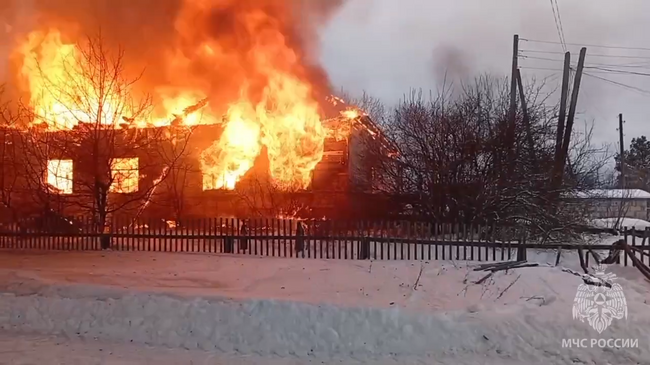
(618,203)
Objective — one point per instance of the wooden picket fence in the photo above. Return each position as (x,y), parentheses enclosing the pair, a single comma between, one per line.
(326,239)
(639,240)
(317,239)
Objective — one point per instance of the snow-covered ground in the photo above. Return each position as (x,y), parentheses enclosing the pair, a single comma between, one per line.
(57,350)
(621,223)
(306,311)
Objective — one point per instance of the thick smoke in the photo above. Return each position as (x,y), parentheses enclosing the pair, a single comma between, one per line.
(217,46)
(451,65)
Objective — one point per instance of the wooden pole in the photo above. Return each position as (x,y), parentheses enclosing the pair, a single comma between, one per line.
(524,110)
(622,150)
(511,126)
(572,110)
(563,102)
(513,78)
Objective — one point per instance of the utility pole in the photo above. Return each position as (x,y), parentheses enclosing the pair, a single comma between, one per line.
(510,128)
(563,101)
(529,133)
(572,110)
(513,78)
(621,157)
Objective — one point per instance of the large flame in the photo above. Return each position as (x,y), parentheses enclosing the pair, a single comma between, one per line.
(62,94)
(229,62)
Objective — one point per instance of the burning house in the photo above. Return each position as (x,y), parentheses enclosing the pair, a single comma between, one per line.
(227,120)
(162,172)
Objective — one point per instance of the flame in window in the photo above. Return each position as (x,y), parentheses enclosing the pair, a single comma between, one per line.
(59,176)
(125,175)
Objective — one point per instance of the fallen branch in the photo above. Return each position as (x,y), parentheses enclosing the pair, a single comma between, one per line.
(484,267)
(589,279)
(483,279)
(508,287)
(519,266)
(417,281)
(535,297)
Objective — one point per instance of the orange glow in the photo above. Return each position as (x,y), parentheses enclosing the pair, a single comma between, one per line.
(267,101)
(226,161)
(58,86)
(59,176)
(125,175)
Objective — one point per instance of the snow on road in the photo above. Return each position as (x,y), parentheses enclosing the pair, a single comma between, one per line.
(308,311)
(53,350)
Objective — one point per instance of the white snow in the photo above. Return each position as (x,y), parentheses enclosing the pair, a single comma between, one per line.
(57,350)
(614,194)
(312,309)
(620,223)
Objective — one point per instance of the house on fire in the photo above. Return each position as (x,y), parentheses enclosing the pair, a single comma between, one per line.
(341,183)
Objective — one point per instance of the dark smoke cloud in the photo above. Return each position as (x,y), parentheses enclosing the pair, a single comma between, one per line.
(451,64)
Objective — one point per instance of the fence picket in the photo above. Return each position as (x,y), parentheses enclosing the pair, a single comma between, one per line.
(633,244)
(643,245)
(625,229)
(395,239)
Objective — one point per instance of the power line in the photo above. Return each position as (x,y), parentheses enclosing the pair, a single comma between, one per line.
(558,24)
(594,70)
(629,87)
(559,18)
(590,55)
(624,72)
(637,65)
(587,45)
(540,68)
(540,58)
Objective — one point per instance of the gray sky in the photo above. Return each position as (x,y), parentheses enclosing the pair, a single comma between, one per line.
(386,47)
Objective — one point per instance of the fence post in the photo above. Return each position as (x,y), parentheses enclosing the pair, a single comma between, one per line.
(300,238)
(243,241)
(105,238)
(625,235)
(521,248)
(364,249)
(643,244)
(229,240)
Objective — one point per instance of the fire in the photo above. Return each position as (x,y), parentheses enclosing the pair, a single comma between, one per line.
(226,161)
(125,175)
(351,113)
(58,85)
(59,176)
(64,92)
(262,96)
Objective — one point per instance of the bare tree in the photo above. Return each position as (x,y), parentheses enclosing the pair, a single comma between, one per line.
(176,191)
(10,197)
(118,166)
(264,198)
(452,162)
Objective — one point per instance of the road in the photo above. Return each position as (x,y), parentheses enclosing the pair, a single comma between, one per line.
(37,349)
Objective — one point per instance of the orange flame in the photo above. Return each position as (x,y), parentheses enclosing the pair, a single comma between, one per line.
(271,104)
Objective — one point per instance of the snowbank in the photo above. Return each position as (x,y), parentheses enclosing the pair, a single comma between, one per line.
(518,315)
(620,223)
(613,194)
